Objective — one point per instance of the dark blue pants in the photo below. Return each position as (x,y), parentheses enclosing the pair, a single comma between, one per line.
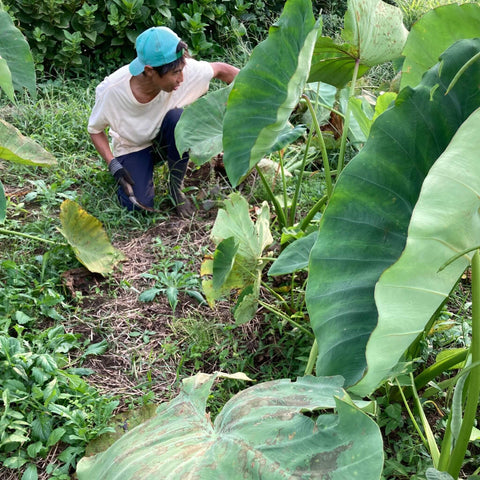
(140,164)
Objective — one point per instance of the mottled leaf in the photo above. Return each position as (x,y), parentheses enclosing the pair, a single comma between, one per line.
(263,432)
(237,262)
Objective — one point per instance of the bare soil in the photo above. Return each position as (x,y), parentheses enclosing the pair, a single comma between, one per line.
(137,331)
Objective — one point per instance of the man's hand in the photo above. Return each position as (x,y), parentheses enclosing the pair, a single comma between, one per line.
(123,178)
(120,174)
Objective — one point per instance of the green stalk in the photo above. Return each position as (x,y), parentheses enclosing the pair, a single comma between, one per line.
(299,181)
(323,148)
(346,123)
(462,71)
(298,185)
(278,208)
(473,389)
(308,218)
(312,358)
(285,317)
(446,446)
(431,442)
(278,297)
(284,185)
(411,415)
(31,237)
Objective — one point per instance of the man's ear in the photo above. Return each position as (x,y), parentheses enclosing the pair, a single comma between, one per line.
(148,70)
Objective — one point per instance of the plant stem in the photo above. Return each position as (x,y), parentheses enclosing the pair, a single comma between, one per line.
(285,317)
(473,389)
(312,358)
(282,219)
(278,297)
(298,185)
(410,414)
(284,185)
(430,437)
(308,218)
(346,123)
(323,148)
(462,71)
(31,237)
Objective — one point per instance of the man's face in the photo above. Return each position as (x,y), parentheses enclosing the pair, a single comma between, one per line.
(171,80)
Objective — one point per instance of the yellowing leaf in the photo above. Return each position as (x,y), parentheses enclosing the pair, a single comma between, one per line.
(88,239)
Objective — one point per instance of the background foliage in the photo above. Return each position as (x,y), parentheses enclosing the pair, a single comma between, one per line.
(71,36)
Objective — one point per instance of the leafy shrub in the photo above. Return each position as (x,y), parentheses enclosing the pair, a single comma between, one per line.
(74,35)
(44,405)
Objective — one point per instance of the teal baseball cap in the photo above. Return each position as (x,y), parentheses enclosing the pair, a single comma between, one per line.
(155,47)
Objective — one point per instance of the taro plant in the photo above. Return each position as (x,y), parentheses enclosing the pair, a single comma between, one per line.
(428,38)
(402,208)
(283,71)
(353,296)
(238,260)
(235,269)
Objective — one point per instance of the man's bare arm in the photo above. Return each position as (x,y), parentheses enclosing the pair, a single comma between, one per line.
(100,141)
(224,71)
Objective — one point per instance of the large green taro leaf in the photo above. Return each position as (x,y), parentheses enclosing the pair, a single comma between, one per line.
(88,239)
(15,51)
(435,32)
(267,89)
(445,222)
(264,432)
(203,139)
(363,230)
(17,148)
(374,33)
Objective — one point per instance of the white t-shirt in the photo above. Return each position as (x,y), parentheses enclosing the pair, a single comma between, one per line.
(134,125)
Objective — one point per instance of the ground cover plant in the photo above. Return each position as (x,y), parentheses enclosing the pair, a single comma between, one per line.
(133,338)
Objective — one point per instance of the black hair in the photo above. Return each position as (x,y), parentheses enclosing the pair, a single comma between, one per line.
(179,62)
